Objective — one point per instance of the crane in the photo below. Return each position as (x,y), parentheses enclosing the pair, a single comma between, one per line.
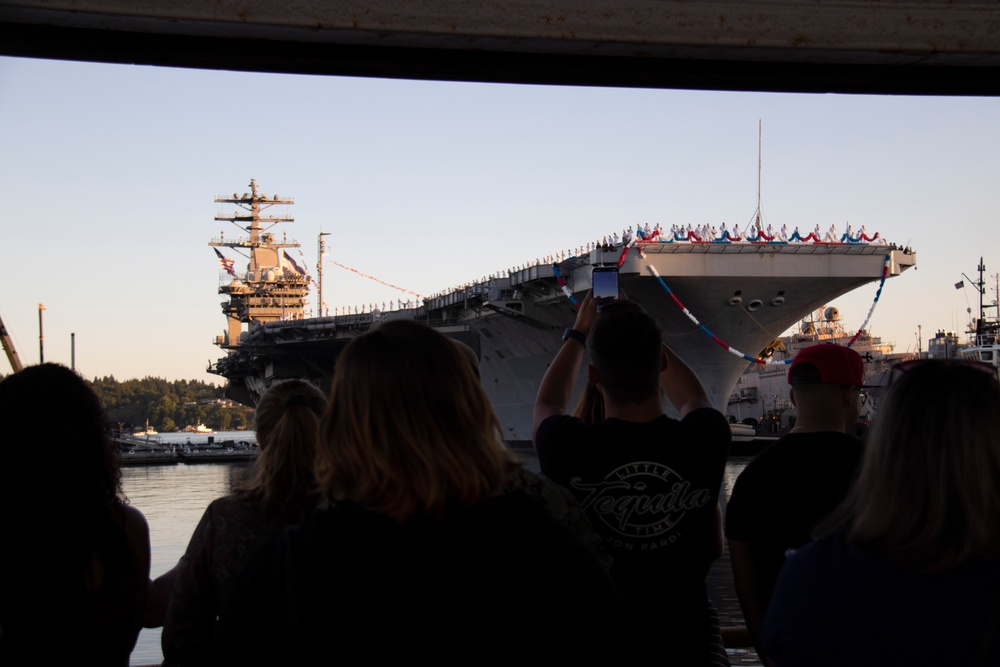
(8,347)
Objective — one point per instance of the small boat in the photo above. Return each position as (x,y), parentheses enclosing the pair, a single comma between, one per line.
(198,428)
(148,432)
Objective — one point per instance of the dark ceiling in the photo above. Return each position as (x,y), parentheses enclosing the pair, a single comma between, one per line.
(888,47)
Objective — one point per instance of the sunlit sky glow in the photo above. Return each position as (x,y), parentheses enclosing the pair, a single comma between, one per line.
(108,175)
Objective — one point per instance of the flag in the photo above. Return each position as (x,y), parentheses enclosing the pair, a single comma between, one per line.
(227,264)
(288,258)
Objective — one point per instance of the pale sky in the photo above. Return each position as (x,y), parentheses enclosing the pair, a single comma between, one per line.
(108,174)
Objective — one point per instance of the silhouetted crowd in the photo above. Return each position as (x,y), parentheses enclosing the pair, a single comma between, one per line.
(386,517)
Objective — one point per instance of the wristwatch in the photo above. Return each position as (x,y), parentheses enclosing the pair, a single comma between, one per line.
(578,336)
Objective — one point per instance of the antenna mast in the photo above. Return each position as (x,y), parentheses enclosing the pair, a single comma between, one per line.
(760,134)
(319,272)
(981,285)
(41,336)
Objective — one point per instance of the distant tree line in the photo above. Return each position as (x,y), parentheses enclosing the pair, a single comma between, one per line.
(168,405)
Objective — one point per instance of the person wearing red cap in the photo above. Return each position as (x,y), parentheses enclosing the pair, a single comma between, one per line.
(798,481)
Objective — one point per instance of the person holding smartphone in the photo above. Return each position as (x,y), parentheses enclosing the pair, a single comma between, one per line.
(648,483)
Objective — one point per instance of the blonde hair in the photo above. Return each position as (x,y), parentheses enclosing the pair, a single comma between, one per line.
(408,429)
(286,421)
(926,495)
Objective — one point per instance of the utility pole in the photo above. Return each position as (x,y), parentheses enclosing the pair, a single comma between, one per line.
(319,271)
(72,351)
(41,336)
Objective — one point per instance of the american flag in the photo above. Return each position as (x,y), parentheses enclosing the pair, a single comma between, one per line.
(227,264)
(298,269)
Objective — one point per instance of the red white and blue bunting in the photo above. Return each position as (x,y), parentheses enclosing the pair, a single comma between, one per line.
(705,330)
(878,295)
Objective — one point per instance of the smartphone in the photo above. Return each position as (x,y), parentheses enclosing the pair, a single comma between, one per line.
(605,283)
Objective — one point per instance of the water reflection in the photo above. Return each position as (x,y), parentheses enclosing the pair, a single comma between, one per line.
(173,498)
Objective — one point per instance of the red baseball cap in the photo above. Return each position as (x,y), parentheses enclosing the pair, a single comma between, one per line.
(834,364)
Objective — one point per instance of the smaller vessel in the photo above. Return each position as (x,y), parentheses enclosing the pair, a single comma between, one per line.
(198,428)
(944,345)
(984,331)
(148,432)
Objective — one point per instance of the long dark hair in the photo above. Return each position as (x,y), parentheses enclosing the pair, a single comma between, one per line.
(70,529)
(53,422)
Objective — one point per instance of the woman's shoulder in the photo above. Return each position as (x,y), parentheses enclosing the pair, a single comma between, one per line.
(136,526)
(137,532)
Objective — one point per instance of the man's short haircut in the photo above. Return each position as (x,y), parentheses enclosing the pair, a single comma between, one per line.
(626,347)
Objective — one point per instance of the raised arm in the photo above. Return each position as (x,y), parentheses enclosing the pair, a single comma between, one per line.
(557,384)
(681,385)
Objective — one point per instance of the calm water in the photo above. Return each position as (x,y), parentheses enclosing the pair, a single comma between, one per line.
(174,497)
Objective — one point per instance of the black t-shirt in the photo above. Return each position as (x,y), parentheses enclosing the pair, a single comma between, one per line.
(786,491)
(650,490)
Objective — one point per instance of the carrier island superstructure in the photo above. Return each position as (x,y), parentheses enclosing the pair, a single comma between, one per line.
(713,301)
(267,291)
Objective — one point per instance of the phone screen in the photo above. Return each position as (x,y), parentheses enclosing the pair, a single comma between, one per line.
(605,282)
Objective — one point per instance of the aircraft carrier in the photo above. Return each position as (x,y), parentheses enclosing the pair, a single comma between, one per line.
(719,303)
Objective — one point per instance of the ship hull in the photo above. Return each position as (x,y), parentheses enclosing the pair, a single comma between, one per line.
(744,295)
